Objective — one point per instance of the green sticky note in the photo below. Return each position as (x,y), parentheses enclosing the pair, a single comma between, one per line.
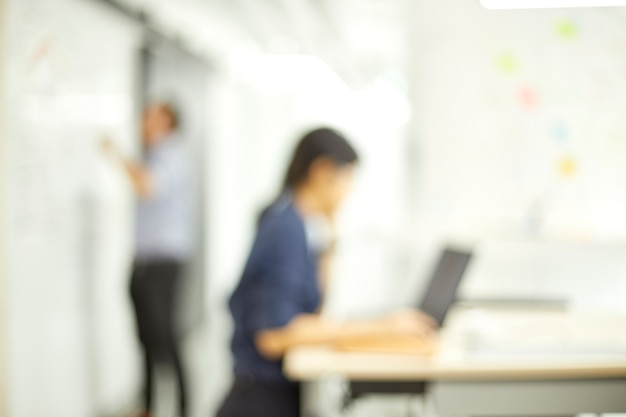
(566,29)
(507,63)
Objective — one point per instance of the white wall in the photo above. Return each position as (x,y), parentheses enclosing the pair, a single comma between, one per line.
(69,80)
(592,277)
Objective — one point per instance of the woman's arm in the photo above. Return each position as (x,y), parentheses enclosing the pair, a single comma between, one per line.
(314,329)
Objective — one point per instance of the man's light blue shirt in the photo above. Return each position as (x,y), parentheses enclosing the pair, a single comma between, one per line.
(164,220)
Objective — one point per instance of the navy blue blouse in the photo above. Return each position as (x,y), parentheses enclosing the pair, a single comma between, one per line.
(279,282)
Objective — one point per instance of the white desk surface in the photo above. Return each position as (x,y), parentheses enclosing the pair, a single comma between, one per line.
(453,364)
(317,362)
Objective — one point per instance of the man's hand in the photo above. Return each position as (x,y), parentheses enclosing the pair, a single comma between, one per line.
(110,148)
(137,173)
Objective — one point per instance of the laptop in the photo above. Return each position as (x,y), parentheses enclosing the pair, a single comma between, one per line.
(439,297)
(442,289)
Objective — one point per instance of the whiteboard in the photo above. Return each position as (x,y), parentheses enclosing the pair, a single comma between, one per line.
(69,78)
(521,148)
(520,123)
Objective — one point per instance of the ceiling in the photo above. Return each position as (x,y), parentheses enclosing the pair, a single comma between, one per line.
(360,39)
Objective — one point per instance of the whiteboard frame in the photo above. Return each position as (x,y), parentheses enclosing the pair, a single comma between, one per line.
(548,4)
(4,409)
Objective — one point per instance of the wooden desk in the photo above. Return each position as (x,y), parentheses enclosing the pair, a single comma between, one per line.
(463,385)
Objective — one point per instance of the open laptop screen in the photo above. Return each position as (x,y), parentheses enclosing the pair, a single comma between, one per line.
(441,292)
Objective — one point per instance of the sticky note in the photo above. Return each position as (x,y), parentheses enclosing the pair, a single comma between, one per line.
(566,29)
(528,97)
(567,167)
(560,132)
(507,63)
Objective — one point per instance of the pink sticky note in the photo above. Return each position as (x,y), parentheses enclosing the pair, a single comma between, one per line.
(528,98)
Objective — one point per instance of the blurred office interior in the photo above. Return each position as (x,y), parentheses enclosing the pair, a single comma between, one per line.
(503,131)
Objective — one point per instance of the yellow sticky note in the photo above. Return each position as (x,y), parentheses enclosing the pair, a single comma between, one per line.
(567,167)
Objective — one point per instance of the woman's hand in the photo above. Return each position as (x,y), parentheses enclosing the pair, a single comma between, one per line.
(408,322)
(312,329)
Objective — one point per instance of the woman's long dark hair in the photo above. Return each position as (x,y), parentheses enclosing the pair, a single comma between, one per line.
(318,143)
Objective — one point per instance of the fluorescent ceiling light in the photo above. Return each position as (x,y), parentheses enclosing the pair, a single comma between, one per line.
(549,4)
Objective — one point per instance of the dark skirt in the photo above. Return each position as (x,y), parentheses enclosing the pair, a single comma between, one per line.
(248,398)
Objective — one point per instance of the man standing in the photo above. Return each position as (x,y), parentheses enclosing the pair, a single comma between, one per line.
(164,241)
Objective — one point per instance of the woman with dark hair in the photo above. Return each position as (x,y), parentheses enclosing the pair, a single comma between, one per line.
(276,305)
